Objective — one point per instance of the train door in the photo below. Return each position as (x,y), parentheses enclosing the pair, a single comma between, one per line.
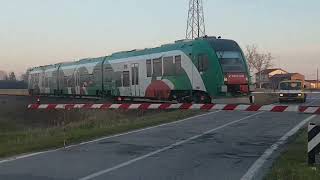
(77,82)
(42,82)
(135,88)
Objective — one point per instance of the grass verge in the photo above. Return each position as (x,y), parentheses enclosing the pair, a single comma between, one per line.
(15,139)
(292,164)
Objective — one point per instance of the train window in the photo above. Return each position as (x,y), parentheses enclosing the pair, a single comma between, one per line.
(135,74)
(48,82)
(43,82)
(51,82)
(97,74)
(157,67)
(149,70)
(92,81)
(203,62)
(117,79)
(84,79)
(108,74)
(71,80)
(168,66)
(126,79)
(66,81)
(231,61)
(178,66)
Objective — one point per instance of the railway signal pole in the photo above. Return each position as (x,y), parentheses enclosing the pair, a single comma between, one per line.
(195,24)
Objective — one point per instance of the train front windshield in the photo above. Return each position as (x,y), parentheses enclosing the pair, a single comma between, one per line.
(231,61)
(229,54)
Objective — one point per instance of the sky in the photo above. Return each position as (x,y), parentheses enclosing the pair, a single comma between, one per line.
(40,32)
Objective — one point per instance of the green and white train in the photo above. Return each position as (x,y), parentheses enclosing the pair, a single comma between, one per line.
(186,71)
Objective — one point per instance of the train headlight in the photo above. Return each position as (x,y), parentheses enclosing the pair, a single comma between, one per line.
(225,79)
(281,95)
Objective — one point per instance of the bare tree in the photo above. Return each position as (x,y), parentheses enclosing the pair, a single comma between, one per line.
(250,54)
(3,75)
(12,76)
(258,61)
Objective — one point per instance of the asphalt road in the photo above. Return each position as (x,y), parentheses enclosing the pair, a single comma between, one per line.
(219,145)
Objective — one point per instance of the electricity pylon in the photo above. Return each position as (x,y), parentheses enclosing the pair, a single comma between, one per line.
(195,25)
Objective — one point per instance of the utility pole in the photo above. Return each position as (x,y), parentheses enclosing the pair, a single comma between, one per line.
(317,85)
(195,25)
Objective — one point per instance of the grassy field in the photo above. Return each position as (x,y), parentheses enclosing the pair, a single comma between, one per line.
(74,127)
(292,164)
(23,131)
(19,92)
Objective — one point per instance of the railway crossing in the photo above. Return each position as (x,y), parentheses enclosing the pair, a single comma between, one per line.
(221,144)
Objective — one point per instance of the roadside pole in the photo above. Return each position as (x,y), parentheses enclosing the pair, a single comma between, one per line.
(317,84)
(64,129)
(66,118)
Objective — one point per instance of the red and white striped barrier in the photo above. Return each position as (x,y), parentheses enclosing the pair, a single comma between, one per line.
(167,106)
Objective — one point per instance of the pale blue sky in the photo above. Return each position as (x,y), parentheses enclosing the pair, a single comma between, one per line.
(39,32)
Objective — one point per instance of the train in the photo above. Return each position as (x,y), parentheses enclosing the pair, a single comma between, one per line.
(196,70)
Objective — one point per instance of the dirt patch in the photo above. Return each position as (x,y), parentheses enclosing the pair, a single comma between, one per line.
(265,98)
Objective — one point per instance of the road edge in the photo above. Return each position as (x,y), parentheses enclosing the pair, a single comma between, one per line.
(258,164)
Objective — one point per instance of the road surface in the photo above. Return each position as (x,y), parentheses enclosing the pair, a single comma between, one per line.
(219,145)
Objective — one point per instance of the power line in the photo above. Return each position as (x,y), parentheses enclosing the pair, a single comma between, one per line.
(195,24)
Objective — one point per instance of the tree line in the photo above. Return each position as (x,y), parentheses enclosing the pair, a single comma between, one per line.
(10,81)
(11,76)
(7,77)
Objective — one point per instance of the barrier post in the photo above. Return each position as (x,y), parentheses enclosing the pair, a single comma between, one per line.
(252,99)
(313,144)
(38,100)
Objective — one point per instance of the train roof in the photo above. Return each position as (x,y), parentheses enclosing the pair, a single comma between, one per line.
(42,68)
(91,60)
(224,45)
(139,52)
(217,44)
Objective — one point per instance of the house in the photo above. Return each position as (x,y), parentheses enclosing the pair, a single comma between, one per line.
(277,78)
(312,84)
(263,77)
